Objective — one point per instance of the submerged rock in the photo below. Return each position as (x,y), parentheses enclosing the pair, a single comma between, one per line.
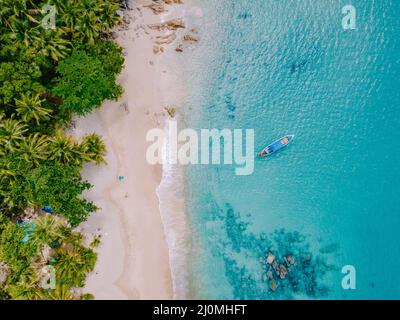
(171,111)
(289,260)
(157,7)
(168,25)
(296,269)
(270,258)
(190,38)
(272,285)
(165,39)
(282,271)
(173,1)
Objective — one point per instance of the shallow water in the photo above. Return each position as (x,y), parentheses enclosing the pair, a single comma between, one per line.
(287,67)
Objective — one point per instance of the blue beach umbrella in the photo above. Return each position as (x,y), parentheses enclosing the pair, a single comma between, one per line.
(48,209)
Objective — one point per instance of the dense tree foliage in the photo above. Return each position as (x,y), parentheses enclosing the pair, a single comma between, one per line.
(21,70)
(49,184)
(46,76)
(88,77)
(31,55)
(51,243)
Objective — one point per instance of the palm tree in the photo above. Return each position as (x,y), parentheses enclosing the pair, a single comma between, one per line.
(64,149)
(94,148)
(74,261)
(61,292)
(88,18)
(21,291)
(34,148)
(18,17)
(29,107)
(109,16)
(6,173)
(11,134)
(12,10)
(21,31)
(7,178)
(88,25)
(68,12)
(70,237)
(46,230)
(86,296)
(27,287)
(53,44)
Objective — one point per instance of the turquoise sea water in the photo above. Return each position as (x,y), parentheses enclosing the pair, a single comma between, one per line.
(288,67)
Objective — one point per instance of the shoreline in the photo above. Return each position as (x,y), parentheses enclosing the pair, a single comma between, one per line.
(176,93)
(171,191)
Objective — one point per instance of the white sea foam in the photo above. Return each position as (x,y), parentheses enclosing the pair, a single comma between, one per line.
(171,199)
(171,191)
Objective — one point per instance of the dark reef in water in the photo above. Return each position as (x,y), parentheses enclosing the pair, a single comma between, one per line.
(244,15)
(294,67)
(277,265)
(230,106)
(309,56)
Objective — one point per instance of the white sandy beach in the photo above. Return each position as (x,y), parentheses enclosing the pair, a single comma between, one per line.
(133,261)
